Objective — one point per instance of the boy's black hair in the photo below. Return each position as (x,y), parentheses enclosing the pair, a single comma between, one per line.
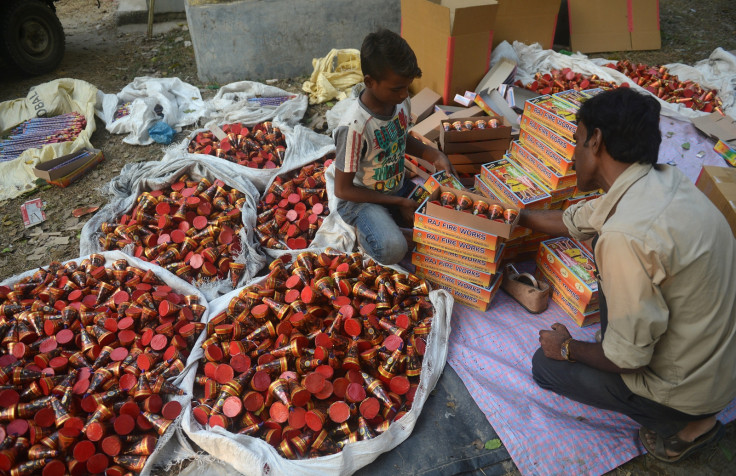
(385,50)
(629,123)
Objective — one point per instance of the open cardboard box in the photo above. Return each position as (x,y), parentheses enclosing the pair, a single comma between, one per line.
(614,25)
(448,133)
(719,184)
(478,158)
(528,21)
(430,127)
(69,173)
(422,104)
(452,40)
(422,168)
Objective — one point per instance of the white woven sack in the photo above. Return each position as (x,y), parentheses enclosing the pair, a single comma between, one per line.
(145,176)
(253,456)
(231,105)
(302,147)
(167,443)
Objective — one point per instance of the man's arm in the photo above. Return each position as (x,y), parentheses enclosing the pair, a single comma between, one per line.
(588,353)
(546,221)
(419,149)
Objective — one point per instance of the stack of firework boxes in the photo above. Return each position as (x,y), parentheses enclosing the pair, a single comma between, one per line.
(458,251)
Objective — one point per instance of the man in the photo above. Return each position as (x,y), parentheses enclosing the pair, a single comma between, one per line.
(665,257)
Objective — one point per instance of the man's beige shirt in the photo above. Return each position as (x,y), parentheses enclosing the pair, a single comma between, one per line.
(667,263)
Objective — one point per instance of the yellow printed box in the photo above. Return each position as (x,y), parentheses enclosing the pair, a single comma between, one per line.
(578,196)
(485,190)
(442,179)
(546,154)
(558,143)
(449,229)
(581,319)
(476,263)
(554,113)
(481,293)
(466,299)
(572,295)
(511,183)
(546,174)
(456,245)
(463,272)
(573,264)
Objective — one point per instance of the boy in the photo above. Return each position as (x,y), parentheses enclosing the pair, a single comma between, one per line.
(371,140)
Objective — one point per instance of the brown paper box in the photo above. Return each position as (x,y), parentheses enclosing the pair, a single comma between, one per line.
(614,25)
(528,21)
(719,184)
(422,104)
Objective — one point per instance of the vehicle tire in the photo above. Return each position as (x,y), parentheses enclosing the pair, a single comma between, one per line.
(32,36)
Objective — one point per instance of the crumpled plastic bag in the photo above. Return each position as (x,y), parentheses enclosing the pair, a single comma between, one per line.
(161,133)
(333,76)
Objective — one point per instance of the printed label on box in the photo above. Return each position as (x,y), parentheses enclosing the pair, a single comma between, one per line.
(558,115)
(466,274)
(573,264)
(580,318)
(571,294)
(462,297)
(563,147)
(440,240)
(478,292)
(547,175)
(477,263)
(431,224)
(546,153)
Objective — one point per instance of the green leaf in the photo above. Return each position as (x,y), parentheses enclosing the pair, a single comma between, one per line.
(686,146)
(727,452)
(8,250)
(329,103)
(670,134)
(494,444)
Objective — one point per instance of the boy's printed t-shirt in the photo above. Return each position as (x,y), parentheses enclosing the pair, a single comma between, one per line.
(373,146)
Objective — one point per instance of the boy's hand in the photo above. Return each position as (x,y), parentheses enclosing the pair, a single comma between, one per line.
(441,161)
(407,207)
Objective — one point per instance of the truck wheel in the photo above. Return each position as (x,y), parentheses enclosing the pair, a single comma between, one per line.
(32,36)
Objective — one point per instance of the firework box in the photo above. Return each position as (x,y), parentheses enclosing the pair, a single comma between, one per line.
(582,319)
(456,245)
(449,134)
(483,188)
(465,273)
(499,146)
(469,261)
(558,143)
(719,185)
(69,172)
(553,113)
(546,153)
(419,166)
(573,264)
(728,153)
(466,173)
(556,281)
(548,176)
(579,196)
(512,184)
(468,290)
(477,158)
(442,179)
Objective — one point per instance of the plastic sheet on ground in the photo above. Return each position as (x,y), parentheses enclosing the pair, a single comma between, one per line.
(136,178)
(181,105)
(50,99)
(333,75)
(231,105)
(167,444)
(253,456)
(719,71)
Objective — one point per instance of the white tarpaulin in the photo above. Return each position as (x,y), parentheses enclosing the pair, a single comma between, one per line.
(50,99)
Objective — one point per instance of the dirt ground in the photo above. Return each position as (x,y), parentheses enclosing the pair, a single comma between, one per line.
(110,57)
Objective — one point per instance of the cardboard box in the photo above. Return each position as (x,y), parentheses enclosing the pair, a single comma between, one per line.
(558,297)
(422,104)
(490,148)
(614,25)
(512,184)
(559,144)
(578,196)
(456,245)
(719,184)
(70,172)
(442,179)
(429,127)
(495,105)
(459,271)
(483,188)
(545,174)
(448,133)
(466,173)
(553,113)
(726,151)
(577,98)
(481,293)
(528,21)
(419,166)
(547,154)
(463,298)
(452,40)
(448,255)
(573,264)
(478,158)
(575,300)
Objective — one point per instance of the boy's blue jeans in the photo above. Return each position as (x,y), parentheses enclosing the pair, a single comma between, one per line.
(378,233)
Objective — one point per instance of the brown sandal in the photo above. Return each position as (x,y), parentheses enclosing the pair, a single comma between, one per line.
(673,443)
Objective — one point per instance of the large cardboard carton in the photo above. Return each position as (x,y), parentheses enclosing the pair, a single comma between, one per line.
(528,21)
(719,184)
(452,40)
(614,25)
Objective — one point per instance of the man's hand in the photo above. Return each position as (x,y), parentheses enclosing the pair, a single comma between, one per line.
(551,341)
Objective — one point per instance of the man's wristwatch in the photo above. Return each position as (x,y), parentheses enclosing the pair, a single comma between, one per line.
(565,350)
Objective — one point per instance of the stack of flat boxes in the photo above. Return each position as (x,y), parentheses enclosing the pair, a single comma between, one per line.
(458,251)
(570,270)
(505,180)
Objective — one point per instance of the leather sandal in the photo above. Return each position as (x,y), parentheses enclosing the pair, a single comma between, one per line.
(533,295)
(675,444)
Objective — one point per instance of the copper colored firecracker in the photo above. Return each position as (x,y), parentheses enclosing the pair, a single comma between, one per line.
(262,146)
(191,228)
(91,386)
(336,359)
(293,208)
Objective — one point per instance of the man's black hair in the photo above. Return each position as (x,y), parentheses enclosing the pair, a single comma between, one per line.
(629,123)
(384,50)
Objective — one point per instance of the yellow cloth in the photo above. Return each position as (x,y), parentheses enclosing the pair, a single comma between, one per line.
(50,99)
(333,76)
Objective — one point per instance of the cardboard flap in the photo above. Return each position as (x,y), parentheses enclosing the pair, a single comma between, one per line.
(424,14)
(528,21)
(645,25)
(469,18)
(502,72)
(716,126)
